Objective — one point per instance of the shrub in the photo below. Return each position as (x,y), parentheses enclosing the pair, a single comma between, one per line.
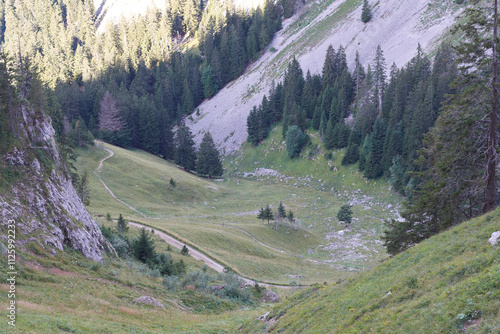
(171,283)
(198,279)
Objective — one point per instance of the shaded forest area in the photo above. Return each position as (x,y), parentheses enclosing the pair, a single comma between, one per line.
(380,120)
(146,73)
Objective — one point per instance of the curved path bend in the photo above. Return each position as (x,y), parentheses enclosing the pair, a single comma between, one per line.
(173,241)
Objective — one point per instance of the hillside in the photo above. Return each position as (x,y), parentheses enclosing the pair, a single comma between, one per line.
(447,284)
(219,218)
(397,26)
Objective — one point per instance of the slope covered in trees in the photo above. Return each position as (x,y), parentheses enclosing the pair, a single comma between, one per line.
(136,71)
(397,26)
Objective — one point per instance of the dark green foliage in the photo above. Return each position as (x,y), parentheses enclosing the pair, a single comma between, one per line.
(172,183)
(108,217)
(143,247)
(119,242)
(288,7)
(81,185)
(209,82)
(295,140)
(329,138)
(449,181)
(208,161)
(290,216)
(266,214)
(185,155)
(366,13)
(121,225)
(397,175)
(168,267)
(351,155)
(374,168)
(345,214)
(281,214)
(399,235)
(254,127)
(152,85)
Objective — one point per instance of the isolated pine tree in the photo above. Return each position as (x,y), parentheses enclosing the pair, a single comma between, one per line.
(345,214)
(281,212)
(366,13)
(143,247)
(208,162)
(266,214)
(121,224)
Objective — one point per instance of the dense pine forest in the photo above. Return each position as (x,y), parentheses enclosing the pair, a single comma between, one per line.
(429,127)
(133,82)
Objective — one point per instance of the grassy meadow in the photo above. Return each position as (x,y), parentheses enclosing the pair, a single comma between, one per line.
(449,283)
(219,216)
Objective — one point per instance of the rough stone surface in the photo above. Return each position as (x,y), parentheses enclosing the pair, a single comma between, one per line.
(42,201)
(397,26)
(148,300)
(270,297)
(494,238)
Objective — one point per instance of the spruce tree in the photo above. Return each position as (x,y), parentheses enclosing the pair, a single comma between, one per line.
(281,212)
(253,127)
(294,140)
(208,162)
(121,224)
(345,214)
(329,137)
(209,84)
(366,13)
(143,247)
(374,168)
(352,152)
(185,155)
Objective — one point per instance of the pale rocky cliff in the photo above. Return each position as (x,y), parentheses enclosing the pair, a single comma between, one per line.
(398,26)
(41,198)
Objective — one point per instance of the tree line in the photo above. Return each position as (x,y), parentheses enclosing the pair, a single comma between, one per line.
(429,127)
(140,69)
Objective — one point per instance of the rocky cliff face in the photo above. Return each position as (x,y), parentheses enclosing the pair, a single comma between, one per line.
(40,197)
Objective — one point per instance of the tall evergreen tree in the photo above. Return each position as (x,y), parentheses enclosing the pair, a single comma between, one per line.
(208,162)
(374,168)
(143,247)
(352,152)
(366,13)
(185,154)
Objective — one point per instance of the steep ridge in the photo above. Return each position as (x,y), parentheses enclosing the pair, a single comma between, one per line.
(41,200)
(397,26)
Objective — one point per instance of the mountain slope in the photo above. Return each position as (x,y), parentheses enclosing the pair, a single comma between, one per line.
(398,26)
(447,284)
(37,193)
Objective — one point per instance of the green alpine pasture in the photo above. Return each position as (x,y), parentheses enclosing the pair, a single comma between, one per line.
(449,283)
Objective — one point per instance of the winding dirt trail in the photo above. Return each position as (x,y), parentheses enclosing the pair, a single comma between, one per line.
(173,241)
(98,170)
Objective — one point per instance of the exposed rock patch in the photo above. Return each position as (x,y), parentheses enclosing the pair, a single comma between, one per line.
(41,200)
(270,297)
(148,300)
(494,238)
